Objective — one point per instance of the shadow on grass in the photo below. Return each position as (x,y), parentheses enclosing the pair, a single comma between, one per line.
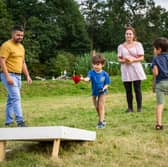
(42,148)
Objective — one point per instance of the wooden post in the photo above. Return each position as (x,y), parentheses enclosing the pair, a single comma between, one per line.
(2,150)
(55,151)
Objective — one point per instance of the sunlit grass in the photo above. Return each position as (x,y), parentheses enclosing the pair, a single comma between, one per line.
(129,139)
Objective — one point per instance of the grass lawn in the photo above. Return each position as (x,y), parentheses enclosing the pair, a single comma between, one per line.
(128,140)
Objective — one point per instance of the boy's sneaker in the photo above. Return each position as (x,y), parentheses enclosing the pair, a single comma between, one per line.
(159,127)
(21,124)
(104,122)
(100,125)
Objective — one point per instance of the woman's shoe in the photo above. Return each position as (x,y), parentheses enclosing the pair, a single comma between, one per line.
(129,110)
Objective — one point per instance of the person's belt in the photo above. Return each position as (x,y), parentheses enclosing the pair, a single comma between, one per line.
(16,73)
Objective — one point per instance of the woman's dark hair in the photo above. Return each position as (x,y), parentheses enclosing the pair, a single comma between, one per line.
(161,43)
(98,58)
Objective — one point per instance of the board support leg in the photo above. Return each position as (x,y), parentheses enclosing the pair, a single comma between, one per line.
(55,150)
(2,150)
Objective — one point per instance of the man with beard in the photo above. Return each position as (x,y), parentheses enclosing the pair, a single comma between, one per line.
(12,61)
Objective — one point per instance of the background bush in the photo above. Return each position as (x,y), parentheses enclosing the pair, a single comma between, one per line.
(112,66)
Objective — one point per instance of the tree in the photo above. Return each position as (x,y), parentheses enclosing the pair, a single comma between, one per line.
(74,37)
(93,10)
(116,18)
(50,26)
(5,22)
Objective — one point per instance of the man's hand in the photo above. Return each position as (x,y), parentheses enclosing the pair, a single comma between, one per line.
(29,80)
(10,80)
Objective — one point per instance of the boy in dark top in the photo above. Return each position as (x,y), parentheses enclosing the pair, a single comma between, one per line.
(100,81)
(160,71)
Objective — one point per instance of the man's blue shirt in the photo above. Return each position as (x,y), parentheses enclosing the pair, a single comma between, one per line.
(161,61)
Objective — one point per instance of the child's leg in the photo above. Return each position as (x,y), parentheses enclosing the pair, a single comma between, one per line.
(94,98)
(101,107)
(160,103)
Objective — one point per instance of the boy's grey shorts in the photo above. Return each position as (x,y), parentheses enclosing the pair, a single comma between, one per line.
(161,91)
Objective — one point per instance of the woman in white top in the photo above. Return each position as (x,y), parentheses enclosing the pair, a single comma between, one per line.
(130,55)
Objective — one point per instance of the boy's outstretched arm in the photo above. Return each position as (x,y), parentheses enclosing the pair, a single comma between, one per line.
(86,79)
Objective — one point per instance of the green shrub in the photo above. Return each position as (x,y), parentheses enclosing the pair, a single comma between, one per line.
(82,64)
(112,66)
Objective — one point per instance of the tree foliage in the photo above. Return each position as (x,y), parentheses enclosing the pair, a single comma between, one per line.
(51,26)
(5,22)
(67,27)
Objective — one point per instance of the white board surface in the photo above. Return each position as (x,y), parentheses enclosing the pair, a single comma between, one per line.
(46,133)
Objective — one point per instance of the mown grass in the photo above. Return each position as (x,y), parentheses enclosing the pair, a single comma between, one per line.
(129,139)
(48,88)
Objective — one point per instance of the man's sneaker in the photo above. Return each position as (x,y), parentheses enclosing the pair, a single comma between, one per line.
(21,124)
(9,124)
(100,125)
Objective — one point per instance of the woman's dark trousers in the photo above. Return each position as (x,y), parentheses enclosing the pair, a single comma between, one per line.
(129,94)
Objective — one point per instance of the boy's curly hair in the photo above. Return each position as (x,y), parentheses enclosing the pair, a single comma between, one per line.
(98,59)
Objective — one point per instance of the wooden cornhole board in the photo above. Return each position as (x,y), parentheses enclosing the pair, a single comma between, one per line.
(48,133)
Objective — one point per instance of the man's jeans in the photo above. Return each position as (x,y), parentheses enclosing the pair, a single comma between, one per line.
(13,99)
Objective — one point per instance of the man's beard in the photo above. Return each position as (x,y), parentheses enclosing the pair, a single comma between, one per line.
(18,40)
